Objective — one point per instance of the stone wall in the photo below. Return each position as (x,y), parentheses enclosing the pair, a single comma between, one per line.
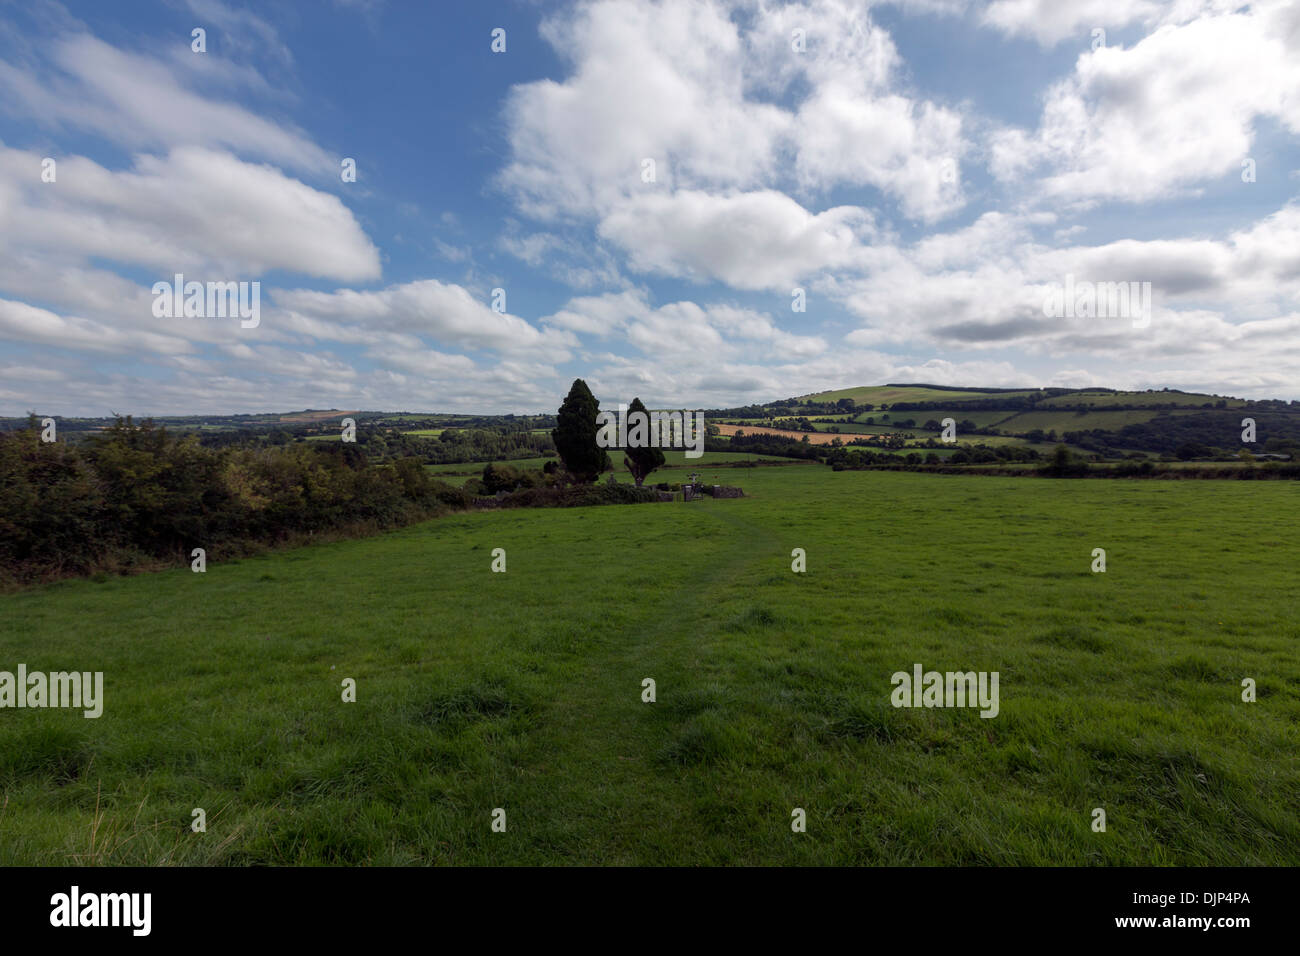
(722,491)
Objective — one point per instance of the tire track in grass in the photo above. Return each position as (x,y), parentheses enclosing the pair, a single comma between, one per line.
(596,724)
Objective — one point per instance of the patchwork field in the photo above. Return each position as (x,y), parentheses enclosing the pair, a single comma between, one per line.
(908,393)
(522,690)
(679,466)
(1107,399)
(316,416)
(814,438)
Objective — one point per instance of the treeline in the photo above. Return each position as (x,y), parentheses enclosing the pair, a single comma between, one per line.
(776,445)
(991,390)
(406,420)
(134,495)
(381,443)
(456,445)
(844,459)
(1204,434)
(1013,403)
(1019,403)
(752,411)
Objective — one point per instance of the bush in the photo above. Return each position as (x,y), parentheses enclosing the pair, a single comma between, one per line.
(134,494)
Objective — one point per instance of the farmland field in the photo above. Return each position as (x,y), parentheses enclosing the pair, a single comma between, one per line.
(979,418)
(1063,421)
(675,461)
(1106,399)
(814,438)
(466,468)
(909,393)
(522,690)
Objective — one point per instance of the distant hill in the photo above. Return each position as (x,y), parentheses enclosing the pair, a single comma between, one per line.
(920,392)
(1108,422)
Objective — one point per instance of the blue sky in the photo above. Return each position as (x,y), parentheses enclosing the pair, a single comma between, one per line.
(926,171)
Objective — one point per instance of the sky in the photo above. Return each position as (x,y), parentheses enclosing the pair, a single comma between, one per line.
(701,203)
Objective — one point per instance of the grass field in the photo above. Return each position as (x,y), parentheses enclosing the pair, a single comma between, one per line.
(1106,399)
(1068,421)
(956,414)
(876,394)
(849,428)
(676,466)
(476,468)
(523,690)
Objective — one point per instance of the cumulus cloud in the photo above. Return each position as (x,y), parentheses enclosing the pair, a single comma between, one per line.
(659,80)
(1233,301)
(857,125)
(194,208)
(697,87)
(26,323)
(685,331)
(141,102)
(444,312)
(756,240)
(1051,21)
(1156,120)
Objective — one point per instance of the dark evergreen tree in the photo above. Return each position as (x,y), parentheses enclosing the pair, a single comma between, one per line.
(642,461)
(575,434)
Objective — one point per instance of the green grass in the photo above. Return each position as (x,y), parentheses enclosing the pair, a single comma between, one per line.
(477,467)
(1104,399)
(523,690)
(876,394)
(676,466)
(850,428)
(1070,421)
(956,414)
(993,441)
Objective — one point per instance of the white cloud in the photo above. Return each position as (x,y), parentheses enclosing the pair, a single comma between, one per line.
(1161,118)
(856,125)
(696,86)
(145,103)
(601,315)
(194,209)
(577,264)
(649,80)
(1051,21)
(240,29)
(447,313)
(756,240)
(717,331)
(1234,303)
(26,323)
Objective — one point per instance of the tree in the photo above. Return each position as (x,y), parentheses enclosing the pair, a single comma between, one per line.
(575,434)
(1060,459)
(1063,465)
(641,461)
(500,478)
